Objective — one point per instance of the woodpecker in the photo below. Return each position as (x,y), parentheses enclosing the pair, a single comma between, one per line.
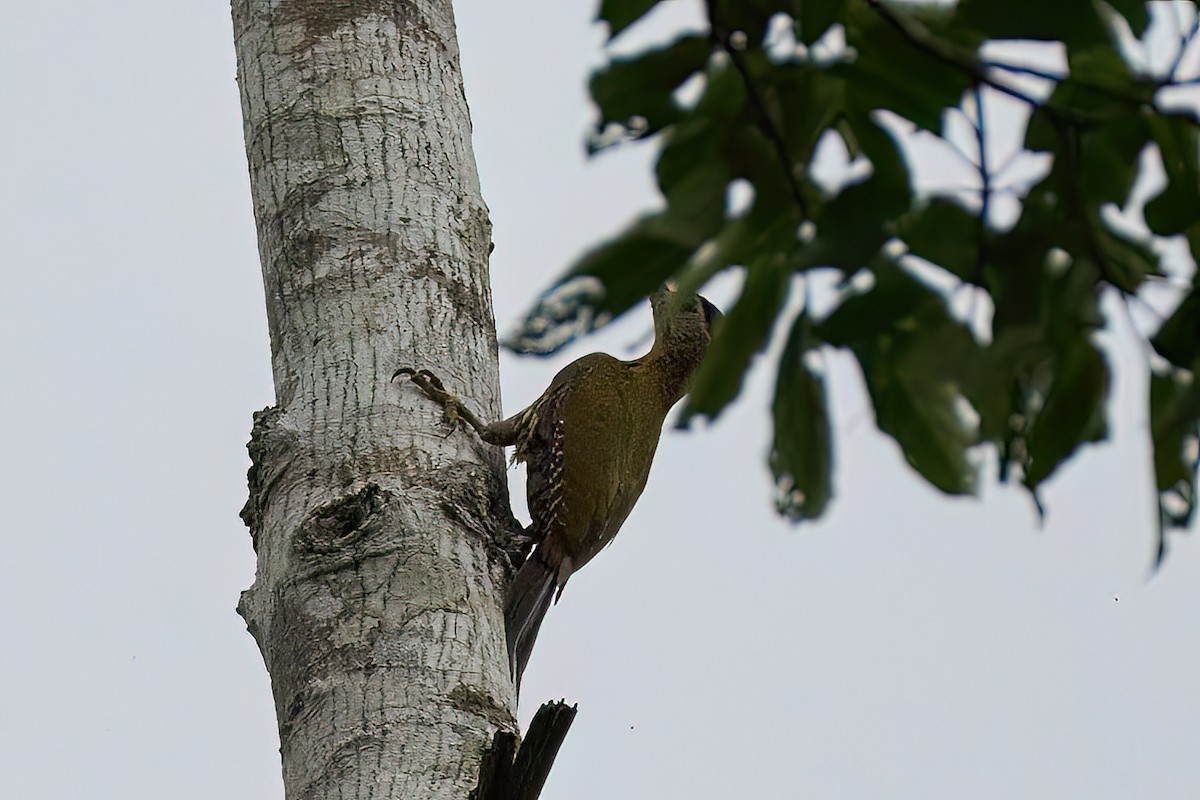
(587,443)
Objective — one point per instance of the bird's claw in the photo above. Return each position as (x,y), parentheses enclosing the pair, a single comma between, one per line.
(431,386)
(427,382)
(403,371)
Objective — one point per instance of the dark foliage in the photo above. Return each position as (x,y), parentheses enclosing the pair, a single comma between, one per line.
(749,101)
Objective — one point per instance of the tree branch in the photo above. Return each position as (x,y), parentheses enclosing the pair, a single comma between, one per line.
(1185,39)
(721,37)
(509,773)
(985,189)
(920,37)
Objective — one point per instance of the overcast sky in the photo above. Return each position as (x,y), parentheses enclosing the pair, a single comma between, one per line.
(908,646)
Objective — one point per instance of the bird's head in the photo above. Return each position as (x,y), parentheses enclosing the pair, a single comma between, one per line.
(683,328)
(683,314)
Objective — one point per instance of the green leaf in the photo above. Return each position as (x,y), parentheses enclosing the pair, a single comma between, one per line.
(889,171)
(1075,22)
(1046,304)
(642,86)
(1107,165)
(891,72)
(1071,302)
(1178,340)
(816,16)
(1039,388)
(897,300)
(1093,165)
(1074,411)
(992,379)
(1017,274)
(918,406)
(750,17)
(634,264)
(1101,71)
(602,285)
(802,449)
(1174,429)
(714,144)
(806,100)
(915,360)
(693,173)
(1126,262)
(1007,381)
(1178,207)
(946,234)
(852,227)
(764,235)
(741,334)
(1134,12)
(620,14)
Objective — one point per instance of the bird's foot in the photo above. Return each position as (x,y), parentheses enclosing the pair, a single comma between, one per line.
(431,386)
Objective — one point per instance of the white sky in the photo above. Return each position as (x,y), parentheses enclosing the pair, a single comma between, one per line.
(906,647)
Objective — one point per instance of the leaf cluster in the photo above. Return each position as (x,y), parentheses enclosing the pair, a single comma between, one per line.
(745,106)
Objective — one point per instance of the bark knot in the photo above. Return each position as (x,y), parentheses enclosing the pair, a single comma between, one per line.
(270,454)
(343,521)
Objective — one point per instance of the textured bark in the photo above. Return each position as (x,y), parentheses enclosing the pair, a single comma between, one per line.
(377,600)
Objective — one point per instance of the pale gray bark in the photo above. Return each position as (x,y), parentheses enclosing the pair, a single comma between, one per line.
(377,601)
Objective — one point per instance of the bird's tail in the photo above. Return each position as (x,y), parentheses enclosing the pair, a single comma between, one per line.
(528,600)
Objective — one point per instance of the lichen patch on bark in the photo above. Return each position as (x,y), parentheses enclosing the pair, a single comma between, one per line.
(472,701)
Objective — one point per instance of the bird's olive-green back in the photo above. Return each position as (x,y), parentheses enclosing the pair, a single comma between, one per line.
(599,425)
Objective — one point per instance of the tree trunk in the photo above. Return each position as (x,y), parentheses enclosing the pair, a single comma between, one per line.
(377,603)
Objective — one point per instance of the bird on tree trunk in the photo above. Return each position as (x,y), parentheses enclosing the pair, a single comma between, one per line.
(587,443)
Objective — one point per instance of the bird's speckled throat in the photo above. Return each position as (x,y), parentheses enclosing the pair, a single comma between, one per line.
(683,329)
